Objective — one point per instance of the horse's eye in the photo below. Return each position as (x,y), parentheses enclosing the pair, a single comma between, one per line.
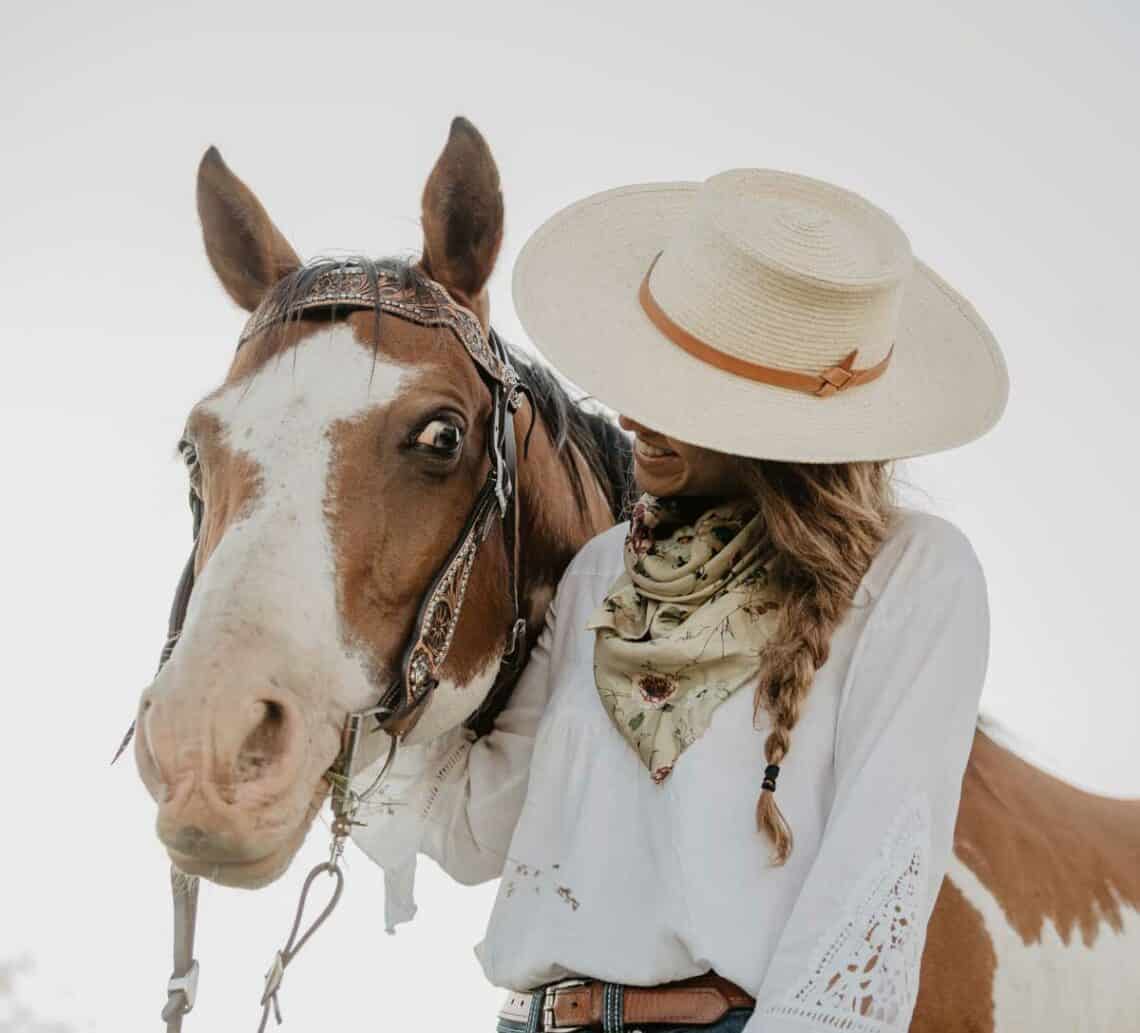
(440,436)
(189,455)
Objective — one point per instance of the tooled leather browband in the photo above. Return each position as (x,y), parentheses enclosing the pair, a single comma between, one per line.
(350,287)
(836,378)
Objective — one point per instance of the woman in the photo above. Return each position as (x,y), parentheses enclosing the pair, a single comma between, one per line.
(731,769)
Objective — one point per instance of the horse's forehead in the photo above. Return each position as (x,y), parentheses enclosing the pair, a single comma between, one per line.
(288,404)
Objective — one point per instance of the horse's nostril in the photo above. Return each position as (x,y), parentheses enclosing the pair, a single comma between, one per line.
(266,741)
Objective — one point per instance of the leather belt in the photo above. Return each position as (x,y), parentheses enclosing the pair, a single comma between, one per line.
(592,1004)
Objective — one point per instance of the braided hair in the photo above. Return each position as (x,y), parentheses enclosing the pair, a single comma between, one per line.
(826,522)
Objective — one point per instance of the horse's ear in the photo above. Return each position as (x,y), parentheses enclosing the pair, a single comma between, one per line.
(463,217)
(247,251)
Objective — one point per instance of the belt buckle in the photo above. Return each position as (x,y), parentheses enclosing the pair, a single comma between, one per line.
(548,994)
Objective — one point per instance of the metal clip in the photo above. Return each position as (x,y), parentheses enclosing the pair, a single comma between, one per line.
(518,636)
(365,796)
(187,985)
(273,980)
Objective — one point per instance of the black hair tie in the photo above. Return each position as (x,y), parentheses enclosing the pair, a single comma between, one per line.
(770,773)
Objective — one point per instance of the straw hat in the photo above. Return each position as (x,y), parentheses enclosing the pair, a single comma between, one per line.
(760,313)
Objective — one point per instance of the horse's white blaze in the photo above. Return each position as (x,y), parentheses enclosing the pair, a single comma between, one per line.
(266,599)
(1056,987)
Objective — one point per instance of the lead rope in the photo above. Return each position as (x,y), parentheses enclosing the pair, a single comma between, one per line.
(282,958)
(345,805)
(183,984)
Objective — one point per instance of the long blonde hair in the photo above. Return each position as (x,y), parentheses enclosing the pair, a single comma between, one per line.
(826,521)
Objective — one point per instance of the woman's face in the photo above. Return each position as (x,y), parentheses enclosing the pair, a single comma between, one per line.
(665,466)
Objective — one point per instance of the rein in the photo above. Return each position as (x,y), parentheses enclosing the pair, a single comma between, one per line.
(353,287)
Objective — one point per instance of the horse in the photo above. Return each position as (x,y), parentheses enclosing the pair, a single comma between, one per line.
(1037,923)
(337,473)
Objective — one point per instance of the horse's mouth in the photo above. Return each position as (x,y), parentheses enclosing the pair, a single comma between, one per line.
(242,874)
(250,870)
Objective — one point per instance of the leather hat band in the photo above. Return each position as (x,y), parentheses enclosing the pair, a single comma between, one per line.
(832,380)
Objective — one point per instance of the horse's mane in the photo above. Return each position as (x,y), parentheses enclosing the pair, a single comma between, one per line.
(574,424)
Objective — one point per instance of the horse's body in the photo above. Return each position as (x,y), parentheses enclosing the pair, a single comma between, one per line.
(1037,926)
(335,466)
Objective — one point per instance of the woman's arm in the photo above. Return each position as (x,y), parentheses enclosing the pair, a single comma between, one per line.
(850,953)
(457,799)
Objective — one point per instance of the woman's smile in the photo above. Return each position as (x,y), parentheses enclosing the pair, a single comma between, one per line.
(657,468)
(645,450)
(666,466)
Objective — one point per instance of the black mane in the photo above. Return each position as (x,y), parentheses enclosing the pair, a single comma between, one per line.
(572,423)
(599,440)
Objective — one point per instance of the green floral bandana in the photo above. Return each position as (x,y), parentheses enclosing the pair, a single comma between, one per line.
(683,628)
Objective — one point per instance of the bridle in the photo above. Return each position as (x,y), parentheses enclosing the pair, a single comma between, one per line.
(427,303)
(354,287)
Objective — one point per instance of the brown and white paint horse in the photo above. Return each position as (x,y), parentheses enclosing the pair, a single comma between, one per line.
(337,469)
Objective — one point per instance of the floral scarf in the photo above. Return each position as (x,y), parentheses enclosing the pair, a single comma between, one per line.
(684,627)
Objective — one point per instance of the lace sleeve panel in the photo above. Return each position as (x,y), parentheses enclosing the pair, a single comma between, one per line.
(864,972)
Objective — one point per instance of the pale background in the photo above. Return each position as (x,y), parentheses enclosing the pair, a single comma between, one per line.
(1003,136)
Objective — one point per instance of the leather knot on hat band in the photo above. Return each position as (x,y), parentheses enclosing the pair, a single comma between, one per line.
(832,380)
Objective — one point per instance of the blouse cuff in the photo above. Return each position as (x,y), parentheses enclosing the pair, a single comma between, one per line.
(395,820)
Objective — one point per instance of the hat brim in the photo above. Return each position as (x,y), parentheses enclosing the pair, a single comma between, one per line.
(575,289)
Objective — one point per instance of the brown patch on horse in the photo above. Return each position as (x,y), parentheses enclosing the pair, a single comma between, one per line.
(1045,849)
(231,483)
(394,515)
(463,218)
(246,249)
(386,555)
(956,984)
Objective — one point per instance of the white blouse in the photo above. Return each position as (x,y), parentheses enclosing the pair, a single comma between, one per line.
(606,874)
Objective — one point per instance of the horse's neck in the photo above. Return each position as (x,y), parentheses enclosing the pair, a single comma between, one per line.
(555,524)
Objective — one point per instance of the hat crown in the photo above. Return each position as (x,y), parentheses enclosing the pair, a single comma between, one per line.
(784,271)
(806,228)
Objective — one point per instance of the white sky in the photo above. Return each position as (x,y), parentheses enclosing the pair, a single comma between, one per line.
(1003,137)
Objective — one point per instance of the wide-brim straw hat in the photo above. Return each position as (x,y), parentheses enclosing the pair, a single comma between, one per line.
(760,313)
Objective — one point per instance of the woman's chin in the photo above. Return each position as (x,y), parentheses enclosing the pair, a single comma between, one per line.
(660,476)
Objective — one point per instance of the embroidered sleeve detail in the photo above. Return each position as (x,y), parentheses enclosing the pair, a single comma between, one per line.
(864,974)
